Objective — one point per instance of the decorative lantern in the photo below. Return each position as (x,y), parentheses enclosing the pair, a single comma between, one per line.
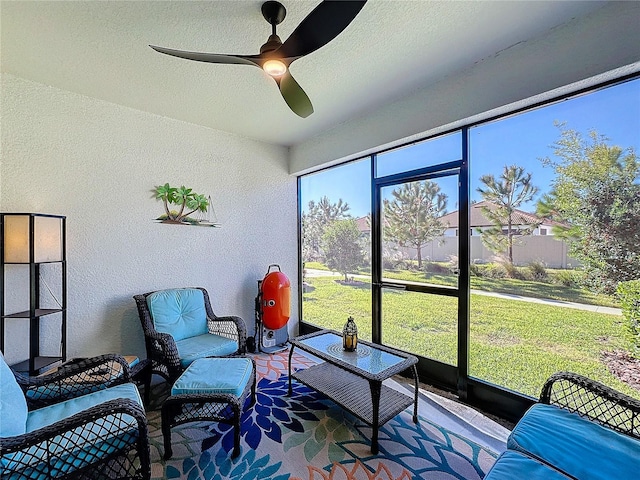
(350,335)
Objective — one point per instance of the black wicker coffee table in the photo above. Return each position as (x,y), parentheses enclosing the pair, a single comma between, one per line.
(347,377)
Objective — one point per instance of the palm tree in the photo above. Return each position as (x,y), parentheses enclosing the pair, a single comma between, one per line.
(183,196)
(167,194)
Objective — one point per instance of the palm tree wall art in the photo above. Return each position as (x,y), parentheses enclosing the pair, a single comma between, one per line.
(187,203)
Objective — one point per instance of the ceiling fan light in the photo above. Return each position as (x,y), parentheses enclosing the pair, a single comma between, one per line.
(274,67)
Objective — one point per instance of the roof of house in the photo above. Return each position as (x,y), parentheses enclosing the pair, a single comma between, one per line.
(363,224)
(478,218)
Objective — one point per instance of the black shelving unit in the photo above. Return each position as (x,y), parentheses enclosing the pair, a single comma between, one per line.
(23,236)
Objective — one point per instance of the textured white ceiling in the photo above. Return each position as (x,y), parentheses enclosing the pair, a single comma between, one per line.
(391,49)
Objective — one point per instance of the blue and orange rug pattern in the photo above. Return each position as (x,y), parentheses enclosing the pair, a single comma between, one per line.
(307,437)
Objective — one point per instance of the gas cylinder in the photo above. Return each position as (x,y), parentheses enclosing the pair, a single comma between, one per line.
(276,299)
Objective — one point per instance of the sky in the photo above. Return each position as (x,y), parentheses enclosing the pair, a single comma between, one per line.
(522,139)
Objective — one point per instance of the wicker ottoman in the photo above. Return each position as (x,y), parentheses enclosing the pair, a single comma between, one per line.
(210,389)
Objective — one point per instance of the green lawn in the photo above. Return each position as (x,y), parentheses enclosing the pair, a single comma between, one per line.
(316,266)
(513,344)
(525,288)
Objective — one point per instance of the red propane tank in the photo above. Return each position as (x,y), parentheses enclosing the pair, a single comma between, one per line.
(276,299)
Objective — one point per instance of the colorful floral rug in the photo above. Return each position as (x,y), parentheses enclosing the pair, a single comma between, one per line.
(307,437)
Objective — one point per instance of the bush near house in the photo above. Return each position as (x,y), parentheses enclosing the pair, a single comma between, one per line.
(629,294)
(537,271)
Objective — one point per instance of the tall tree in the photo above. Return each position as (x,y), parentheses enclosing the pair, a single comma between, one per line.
(327,212)
(504,195)
(412,217)
(318,217)
(596,194)
(341,245)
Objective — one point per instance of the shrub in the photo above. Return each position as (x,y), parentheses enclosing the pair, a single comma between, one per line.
(567,278)
(434,267)
(341,246)
(512,271)
(493,270)
(629,294)
(393,259)
(475,270)
(537,271)
(409,264)
(454,267)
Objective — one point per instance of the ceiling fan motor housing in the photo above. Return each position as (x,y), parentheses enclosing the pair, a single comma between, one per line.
(273,12)
(273,43)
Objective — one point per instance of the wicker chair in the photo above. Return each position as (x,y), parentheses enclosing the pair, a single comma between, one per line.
(84,421)
(179,327)
(594,401)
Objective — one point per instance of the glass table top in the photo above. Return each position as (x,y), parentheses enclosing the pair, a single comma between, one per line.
(366,357)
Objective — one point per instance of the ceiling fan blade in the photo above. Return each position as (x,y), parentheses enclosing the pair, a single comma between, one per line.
(322,25)
(295,97)
(210,57)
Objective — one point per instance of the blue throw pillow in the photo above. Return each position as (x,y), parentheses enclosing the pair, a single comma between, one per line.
(13,405)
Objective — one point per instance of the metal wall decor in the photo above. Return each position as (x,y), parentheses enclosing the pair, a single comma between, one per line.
(191,208)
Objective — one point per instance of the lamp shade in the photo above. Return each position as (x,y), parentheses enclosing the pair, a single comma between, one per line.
(44,230)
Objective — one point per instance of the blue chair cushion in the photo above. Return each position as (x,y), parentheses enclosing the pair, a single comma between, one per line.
(13,405)
(577,446)
(202,346)
(179,312)
(214,375)
(512,464)
(95,441)
(54,413)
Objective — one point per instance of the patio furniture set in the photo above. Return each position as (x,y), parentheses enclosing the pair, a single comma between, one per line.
(87,420)
(216,388)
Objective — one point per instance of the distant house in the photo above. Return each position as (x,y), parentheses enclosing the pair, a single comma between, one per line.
(539,246)
(363,225)
(478,221)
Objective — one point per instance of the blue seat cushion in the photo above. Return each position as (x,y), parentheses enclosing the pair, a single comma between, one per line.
(179,312)
(72,449)
(511,465)
(577,446)
(215,375)
(202,346)
(59,411)
(13,405)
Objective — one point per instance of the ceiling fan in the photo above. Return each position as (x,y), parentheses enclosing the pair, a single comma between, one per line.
(321,26)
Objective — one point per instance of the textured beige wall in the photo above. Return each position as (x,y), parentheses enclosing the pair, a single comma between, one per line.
(96,163)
